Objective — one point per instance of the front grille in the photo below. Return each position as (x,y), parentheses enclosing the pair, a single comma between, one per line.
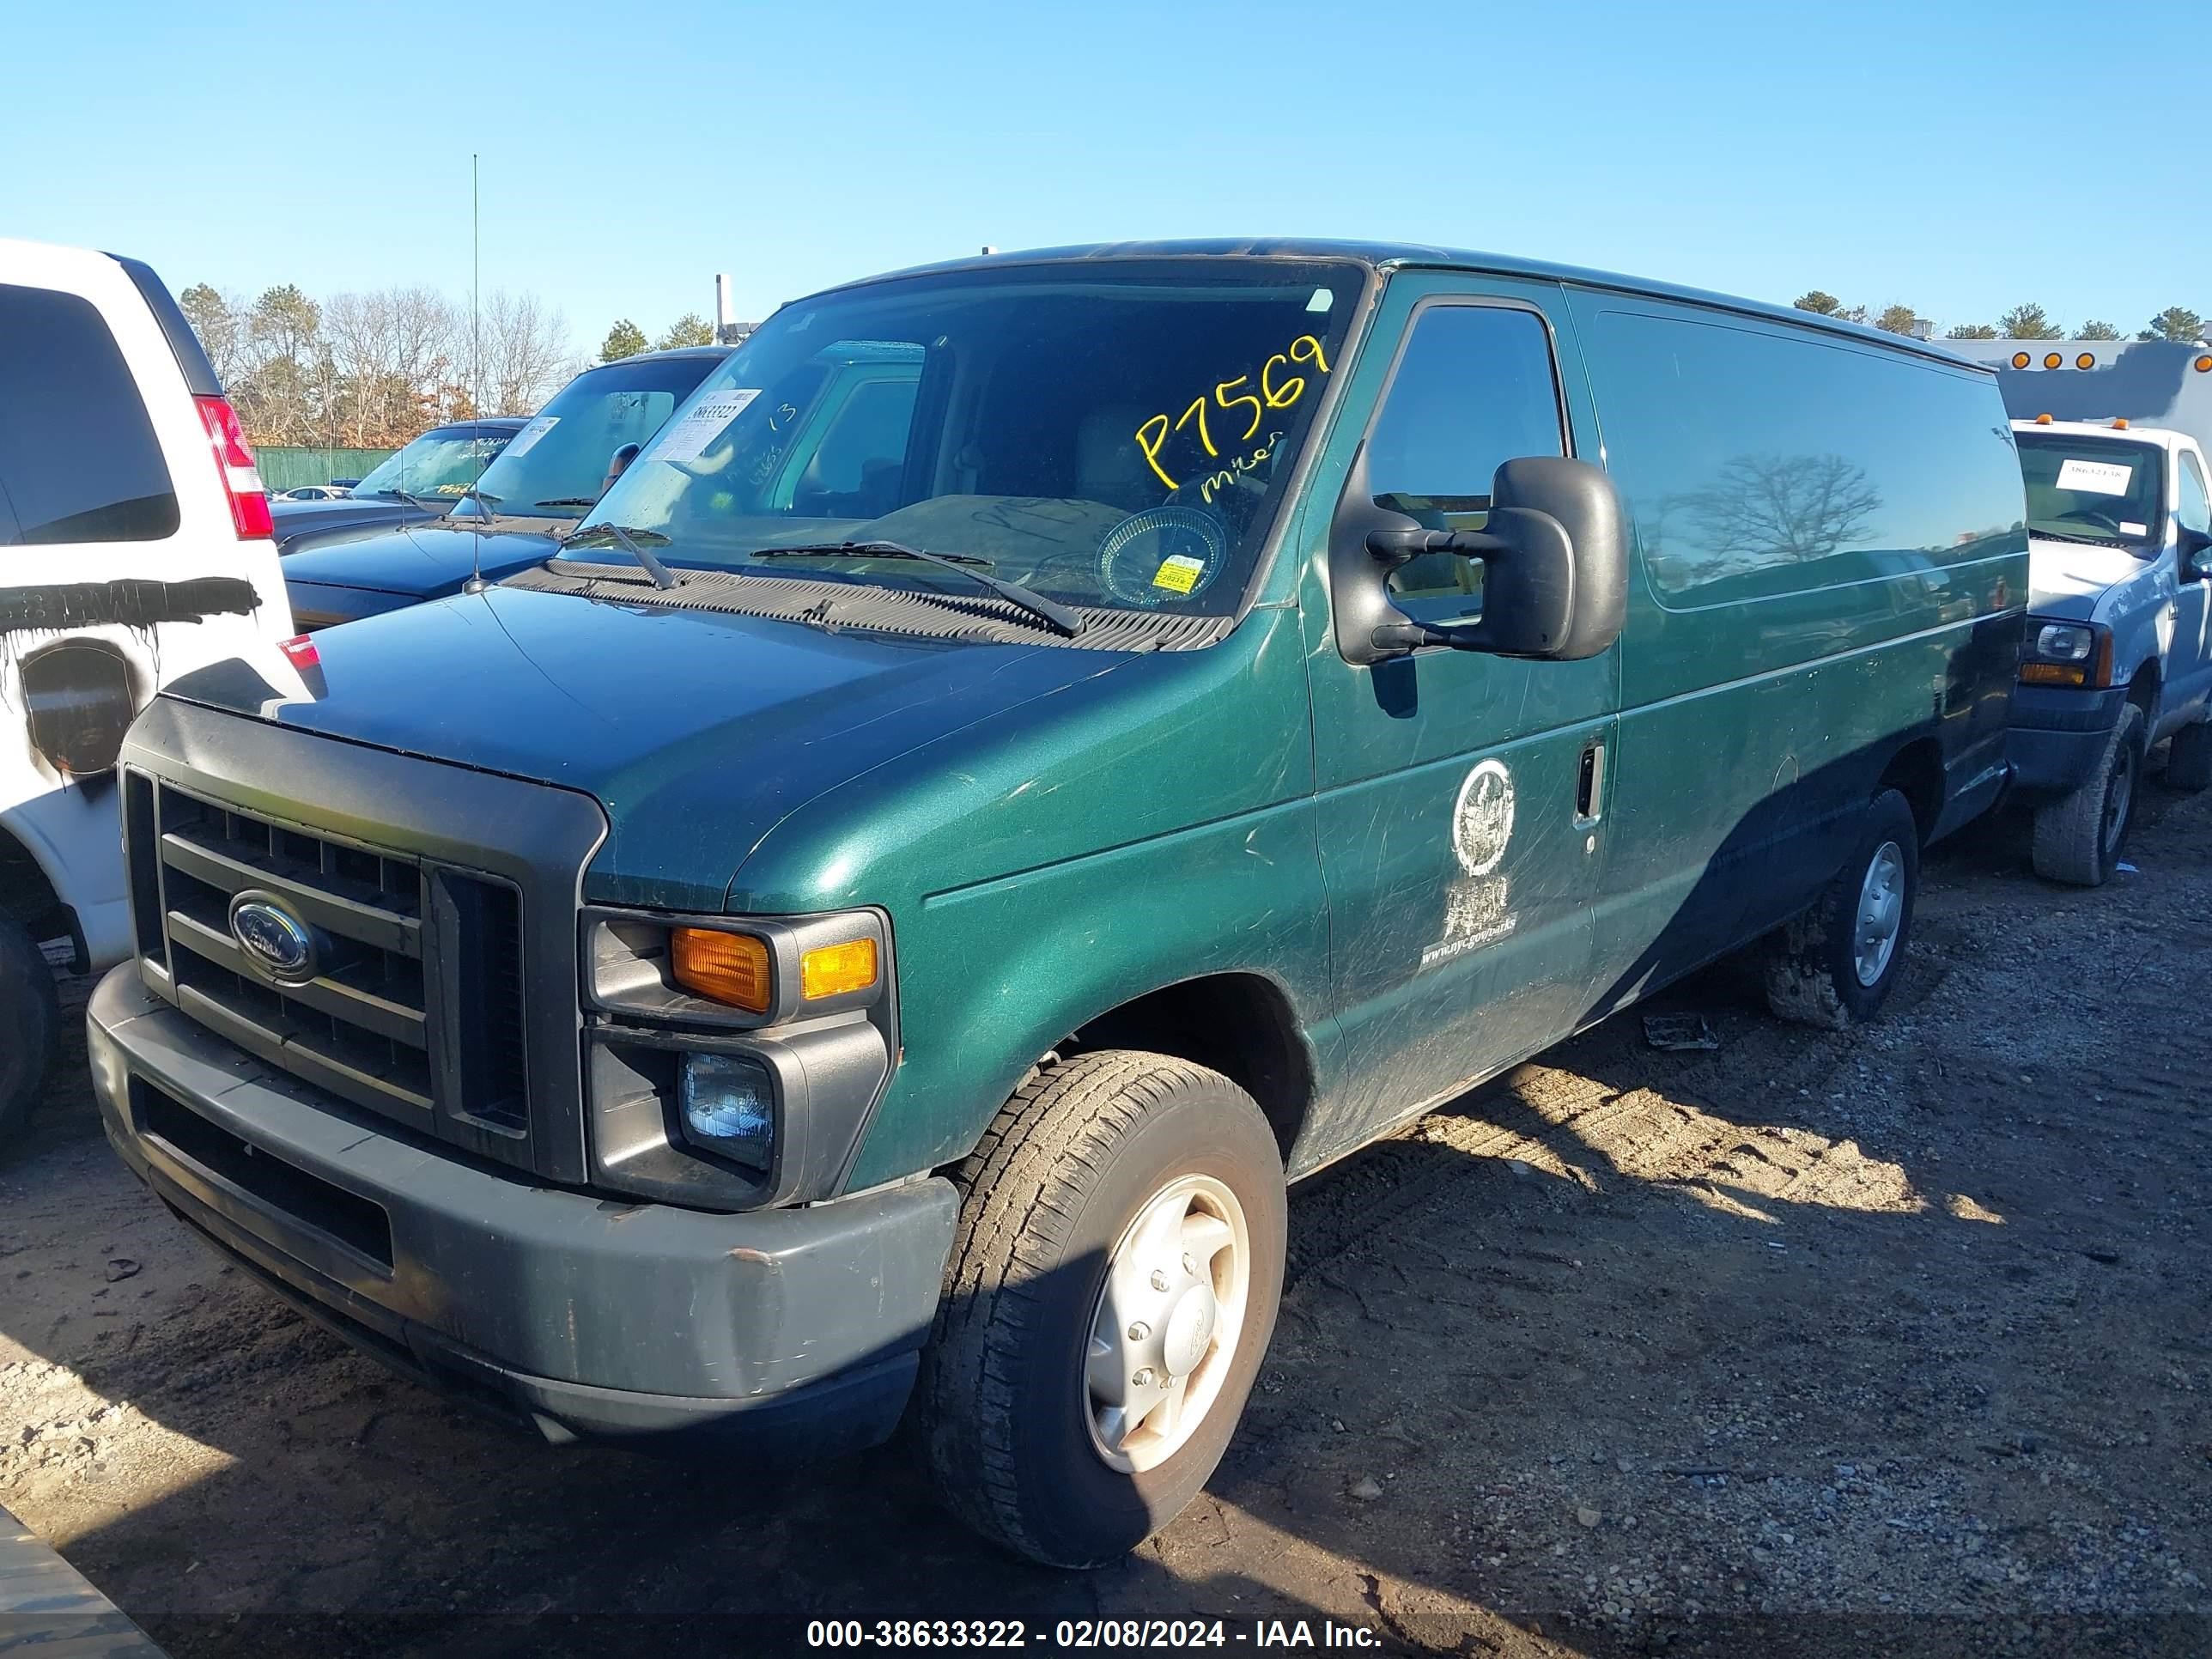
(416,1008)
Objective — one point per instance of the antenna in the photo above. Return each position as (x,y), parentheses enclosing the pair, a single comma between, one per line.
(725,315)
(476,265)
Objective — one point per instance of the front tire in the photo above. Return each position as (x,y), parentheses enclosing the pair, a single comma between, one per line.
(1834,965)
(2079,838)
(1112,1290)
(30,1027)
(2189,758)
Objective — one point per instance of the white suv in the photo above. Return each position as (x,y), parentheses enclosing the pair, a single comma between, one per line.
(134,549)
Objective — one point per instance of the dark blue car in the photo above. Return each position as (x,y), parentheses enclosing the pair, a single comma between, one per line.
(546,478)
(415,485)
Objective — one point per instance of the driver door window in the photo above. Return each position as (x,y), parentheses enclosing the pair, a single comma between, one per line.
(1474,387)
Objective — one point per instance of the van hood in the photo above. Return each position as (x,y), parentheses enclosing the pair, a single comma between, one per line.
(696,731)
(2068,578)
(426,560)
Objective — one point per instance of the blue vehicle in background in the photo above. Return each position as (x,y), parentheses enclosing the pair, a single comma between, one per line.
(829,445)
(549,471)
(420,482)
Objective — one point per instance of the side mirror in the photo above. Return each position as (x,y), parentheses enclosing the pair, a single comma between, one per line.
(1555,567)
(2195,552)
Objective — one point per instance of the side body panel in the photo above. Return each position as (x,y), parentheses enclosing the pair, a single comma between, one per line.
(90,628)
(1150,824)
(1831,564)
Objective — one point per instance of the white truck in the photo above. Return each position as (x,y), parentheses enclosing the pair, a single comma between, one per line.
(133,547)
(2118,660)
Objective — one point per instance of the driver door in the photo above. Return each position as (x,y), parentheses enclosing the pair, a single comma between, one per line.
(1461,815)
(2188,652)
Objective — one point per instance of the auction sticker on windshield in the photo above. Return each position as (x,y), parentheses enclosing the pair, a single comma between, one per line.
(2095,477)
(526,440)
(686,438)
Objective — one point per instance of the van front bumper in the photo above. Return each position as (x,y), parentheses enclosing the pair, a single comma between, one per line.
(791,1333)
(2057,736)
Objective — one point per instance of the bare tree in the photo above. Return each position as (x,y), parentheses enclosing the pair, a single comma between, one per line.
(392,351)
(525,353)
(1796,508)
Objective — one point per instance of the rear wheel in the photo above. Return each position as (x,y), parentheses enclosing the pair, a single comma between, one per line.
(2078,838)
(30,1025)
(1112,1290)
(1835,965)
(2189,758)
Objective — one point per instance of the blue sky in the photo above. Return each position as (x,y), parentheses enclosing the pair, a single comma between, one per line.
(629,152)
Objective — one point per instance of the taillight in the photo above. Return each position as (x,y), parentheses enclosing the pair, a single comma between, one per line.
(249,501)
(300,651)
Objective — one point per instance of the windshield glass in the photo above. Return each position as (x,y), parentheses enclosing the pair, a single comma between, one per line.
(557,464)
(1106,433)
(2101,489)
(443,461)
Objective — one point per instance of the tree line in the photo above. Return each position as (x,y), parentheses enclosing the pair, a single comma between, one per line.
(370,371)
(2022,322)
(627,339)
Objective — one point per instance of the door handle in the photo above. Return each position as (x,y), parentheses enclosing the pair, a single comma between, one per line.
(1590,784)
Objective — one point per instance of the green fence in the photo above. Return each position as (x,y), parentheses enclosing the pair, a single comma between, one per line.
(285,466)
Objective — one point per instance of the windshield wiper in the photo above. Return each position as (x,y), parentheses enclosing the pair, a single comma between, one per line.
(569,501)
(1060,617)
(411,498)
(663,577)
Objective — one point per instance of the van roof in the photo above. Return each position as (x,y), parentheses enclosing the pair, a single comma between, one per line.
(1402,254)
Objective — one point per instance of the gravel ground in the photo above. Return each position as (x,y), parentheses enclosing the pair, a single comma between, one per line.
(1892,1342)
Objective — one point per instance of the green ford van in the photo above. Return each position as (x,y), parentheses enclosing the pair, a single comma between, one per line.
(870,928)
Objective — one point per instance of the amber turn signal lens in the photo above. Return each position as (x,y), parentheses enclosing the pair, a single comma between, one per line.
(2085,360)
(830,970)
(2052,360)
(2051,673)
(730,968)
(2020,360)
(2202,365)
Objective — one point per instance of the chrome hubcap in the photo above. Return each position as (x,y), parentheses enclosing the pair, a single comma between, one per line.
(1164,1334)
(1882,912)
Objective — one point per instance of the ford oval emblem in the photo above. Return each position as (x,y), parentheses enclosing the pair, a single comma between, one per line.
(276,944)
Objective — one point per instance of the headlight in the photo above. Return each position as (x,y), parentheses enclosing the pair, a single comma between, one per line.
(2066,653)
(2063,642)
(734,1062)
(729,1107)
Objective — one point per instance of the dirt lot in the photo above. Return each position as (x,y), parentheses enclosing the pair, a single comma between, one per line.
(1893,1342)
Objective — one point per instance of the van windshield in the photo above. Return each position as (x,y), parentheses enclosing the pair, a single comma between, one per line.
(443,461)
(556,465)
(1117,435)
(2091,490)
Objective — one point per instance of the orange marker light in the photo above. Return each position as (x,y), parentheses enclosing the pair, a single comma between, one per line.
(2053,360)
(731,968)
(2121,424)
(2043,420)
(2202,365)
(2085,360)
(829,970)
(2020,360)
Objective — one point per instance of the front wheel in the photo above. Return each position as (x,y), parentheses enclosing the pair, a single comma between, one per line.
(2078,839)
(1835,965)
(1112,1290)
